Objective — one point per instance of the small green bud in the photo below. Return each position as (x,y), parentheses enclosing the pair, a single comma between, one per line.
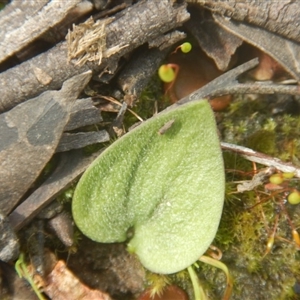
(294,198)
(288,175)
(186,47)
(166,73)
(276,179)
(131,249)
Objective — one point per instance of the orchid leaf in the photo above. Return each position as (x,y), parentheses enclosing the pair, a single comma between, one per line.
(161,191)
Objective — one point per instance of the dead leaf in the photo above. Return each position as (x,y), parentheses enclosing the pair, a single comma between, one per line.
(62,284)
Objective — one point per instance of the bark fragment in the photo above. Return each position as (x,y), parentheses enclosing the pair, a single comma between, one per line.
(71,165)
(215,41)
(63,226)
(30,134)
(9,243)
(280,17)
(165,41)
(83,113)
(134,78)
(79,140)
(284,51)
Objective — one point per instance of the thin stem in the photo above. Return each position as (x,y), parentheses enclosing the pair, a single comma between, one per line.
(223,267)
(22,271)
(198,291)
(262,158)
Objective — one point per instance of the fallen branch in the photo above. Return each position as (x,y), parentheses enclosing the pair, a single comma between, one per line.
(132,27)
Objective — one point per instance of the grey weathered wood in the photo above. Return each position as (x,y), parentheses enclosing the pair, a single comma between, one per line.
(135,26)
(9,243)
(167,40)
(136,75)
(29,135)
(79,140)
(281,17)
(83,113)
(26,30)
(214,40)
(16,13)
(284,51)
(71,165)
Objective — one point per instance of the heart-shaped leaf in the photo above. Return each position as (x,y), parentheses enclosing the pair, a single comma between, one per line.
(163,184)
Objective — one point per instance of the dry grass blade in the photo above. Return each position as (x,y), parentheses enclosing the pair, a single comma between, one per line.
(118,103)
(87,41)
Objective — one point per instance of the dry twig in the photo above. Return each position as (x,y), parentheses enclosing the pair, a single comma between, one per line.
(262,158)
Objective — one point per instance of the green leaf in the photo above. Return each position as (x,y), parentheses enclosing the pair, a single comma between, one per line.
(166,187)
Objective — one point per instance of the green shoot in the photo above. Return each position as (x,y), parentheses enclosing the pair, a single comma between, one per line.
(22,271)
(198,291)
(223,267)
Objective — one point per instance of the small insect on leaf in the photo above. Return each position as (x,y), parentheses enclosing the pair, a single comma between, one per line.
(167,126)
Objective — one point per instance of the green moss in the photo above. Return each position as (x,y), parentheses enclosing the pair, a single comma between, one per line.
(67,195)
(150,102)
(243,235)
(246,226)
(262,141)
